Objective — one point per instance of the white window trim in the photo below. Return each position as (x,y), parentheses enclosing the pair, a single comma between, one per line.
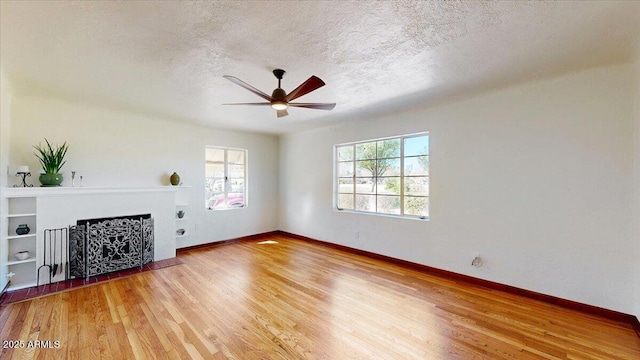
(226,177)
(336,178)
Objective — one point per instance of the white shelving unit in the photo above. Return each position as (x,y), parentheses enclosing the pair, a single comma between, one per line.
(181,223)
(182,204)
(21,210)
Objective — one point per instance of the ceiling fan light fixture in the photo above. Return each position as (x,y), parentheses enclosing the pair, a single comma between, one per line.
(279,105)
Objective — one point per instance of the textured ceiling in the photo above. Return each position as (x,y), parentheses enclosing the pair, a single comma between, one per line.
(166,59)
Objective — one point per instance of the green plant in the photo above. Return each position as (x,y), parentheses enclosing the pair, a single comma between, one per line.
(51,159)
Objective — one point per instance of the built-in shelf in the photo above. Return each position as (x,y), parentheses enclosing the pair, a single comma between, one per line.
(182,204)
(20,210)
(21,215)
(16,262)
(20,236)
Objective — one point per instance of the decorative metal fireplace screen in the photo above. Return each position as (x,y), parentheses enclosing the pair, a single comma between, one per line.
(99,246)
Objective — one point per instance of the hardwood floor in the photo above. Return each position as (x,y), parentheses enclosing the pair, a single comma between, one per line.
(297,300)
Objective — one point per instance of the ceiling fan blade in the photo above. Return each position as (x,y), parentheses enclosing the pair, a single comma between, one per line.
(237,81)
(260,103)
(306,87)
(319,106)
(282,113)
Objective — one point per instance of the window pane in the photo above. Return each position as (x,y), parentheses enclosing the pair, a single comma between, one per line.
(418,165)
(366,151)
(388,148)
(235,156)
(214,166)
(215,169)
(236,171)
(345,185)
(418,145)
(215,185)
(235,199)
(418,206)
(214,172)
(345,153)
(365,168)
(345,169)
(235,185)
(232,200)
(389,186)
(365,186)
(388,204)
(216,201)
(214,155)
(345,201)
(388,167)
(366,203)
(417,186)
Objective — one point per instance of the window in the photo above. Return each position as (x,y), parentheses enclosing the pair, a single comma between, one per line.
(226,174)
(384,176)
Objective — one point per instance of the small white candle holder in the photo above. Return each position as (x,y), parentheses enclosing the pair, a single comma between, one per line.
(23,171)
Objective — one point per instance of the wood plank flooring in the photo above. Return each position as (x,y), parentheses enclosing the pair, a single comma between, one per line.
(290,299)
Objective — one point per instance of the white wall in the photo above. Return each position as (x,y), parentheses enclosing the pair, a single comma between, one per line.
(537,178)
(5,106)
(117,148)
(637,181)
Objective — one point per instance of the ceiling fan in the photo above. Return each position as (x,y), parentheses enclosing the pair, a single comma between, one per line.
(279,99)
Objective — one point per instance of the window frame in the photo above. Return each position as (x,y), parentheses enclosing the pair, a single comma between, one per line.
(375,178)
(227,178)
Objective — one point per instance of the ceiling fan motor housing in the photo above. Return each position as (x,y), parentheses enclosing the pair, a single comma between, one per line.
(279,94)
(279,99)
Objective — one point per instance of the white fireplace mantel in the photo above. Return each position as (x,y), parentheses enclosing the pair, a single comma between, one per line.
(57,191)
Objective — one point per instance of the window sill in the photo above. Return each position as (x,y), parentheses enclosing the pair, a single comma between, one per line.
(404,217)
(226,209)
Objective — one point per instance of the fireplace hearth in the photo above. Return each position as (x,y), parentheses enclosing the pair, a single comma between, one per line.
(100,246)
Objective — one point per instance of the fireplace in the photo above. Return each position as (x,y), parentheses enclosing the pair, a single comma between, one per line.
(100,246)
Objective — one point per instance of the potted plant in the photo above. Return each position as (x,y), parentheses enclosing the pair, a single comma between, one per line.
(52,160)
